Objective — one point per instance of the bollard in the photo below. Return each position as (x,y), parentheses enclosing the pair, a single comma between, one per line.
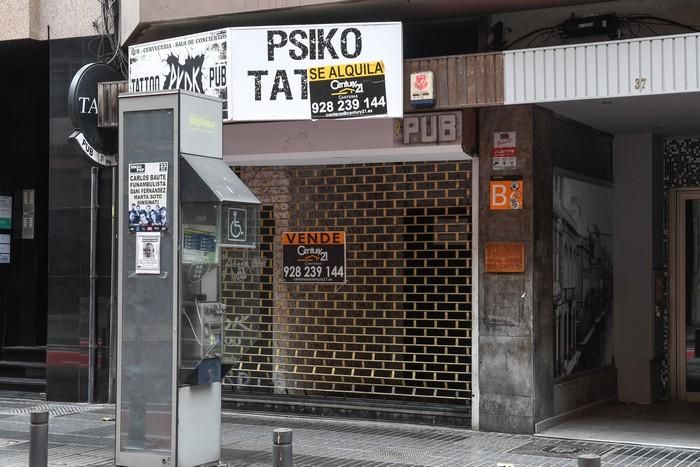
(588,460)
(39,439)
(282,447)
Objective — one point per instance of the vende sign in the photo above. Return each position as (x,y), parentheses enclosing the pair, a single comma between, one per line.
(330,70)
(281,72)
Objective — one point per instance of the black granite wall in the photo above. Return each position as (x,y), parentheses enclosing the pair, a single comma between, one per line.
(69,240)
(24,93)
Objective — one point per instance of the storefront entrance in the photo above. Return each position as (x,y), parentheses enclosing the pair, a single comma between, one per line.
(685,304)
(396,334)
(23,215)
(656,263)
(393,338)
(674,422)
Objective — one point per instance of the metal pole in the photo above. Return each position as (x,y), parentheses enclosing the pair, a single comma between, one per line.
(111,390)
(39,439)
(588,460)
(94,181)
(282,447)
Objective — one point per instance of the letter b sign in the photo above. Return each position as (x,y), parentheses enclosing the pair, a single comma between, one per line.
(506,194)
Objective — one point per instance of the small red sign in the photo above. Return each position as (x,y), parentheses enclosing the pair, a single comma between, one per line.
(421,81)
(504,144)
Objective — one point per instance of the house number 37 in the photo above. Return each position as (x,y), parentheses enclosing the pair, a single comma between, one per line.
(640,84)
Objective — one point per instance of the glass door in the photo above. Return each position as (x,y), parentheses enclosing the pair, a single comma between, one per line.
(690,323)
(686,278)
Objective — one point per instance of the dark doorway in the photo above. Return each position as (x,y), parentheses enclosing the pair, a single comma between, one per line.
(24,122)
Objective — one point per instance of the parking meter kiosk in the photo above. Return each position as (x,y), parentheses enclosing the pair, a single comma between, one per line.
(179,203)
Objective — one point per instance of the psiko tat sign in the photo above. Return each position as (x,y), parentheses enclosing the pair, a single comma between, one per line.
(268,73)
(313,257)
(98,144)
(316,71)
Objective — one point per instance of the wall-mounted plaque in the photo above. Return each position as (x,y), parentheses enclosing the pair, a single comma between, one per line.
(5,247)
(503,155)
(505,257)
(28,211)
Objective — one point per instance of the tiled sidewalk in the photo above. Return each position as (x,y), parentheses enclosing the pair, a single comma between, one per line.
(83,435)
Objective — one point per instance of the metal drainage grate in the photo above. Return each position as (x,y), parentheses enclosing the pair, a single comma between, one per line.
(491,442)
(55,410)
(338,427)
(561,449)
(401,454)
(687,456)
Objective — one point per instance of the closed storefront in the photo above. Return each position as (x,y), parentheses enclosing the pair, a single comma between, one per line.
(398,328)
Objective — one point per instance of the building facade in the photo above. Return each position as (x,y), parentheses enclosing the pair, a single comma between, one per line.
(535,264)
(45,272)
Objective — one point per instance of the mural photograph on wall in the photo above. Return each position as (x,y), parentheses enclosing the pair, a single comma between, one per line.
(582,257)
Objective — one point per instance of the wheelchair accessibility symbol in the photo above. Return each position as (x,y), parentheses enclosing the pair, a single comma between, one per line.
(237,224)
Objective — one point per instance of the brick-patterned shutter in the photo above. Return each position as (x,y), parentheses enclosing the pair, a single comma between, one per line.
(400,328)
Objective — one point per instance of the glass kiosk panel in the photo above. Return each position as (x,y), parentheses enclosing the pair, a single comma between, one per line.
(239,224)
(201,318)
(146,316)
(241,269)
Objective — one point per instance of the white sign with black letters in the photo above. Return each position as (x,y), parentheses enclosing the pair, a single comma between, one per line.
(270,68)
(196,63)
(505,150)
(263,73)
(148,253)
(148,197)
